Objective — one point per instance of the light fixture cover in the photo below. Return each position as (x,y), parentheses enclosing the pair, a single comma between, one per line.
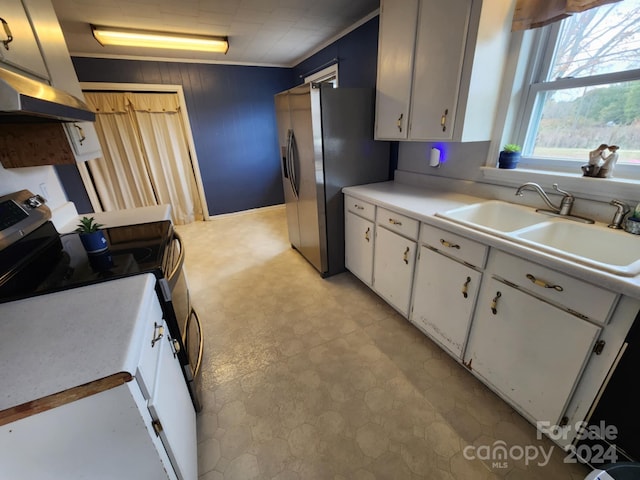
(130,37)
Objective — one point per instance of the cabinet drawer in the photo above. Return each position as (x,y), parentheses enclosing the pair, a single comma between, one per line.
(468,251)
(398,223)
(581,297)
(364,209)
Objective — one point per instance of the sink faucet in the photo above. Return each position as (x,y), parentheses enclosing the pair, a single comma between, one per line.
(621,210)
(564,210)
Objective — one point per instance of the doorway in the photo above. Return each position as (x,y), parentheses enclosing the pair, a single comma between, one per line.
(148,152)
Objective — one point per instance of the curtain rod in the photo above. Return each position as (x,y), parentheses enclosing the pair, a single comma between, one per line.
(333,61)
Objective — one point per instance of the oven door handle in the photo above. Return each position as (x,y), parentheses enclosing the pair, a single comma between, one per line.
(193,314)
(177,266)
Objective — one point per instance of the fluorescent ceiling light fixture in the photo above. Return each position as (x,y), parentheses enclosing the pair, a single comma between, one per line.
(129,37)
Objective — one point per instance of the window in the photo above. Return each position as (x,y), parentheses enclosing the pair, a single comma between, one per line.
(585,90)
(326,75)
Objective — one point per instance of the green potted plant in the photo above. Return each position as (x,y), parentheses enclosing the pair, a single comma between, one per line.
(632,223)
(91,236)
(509,156)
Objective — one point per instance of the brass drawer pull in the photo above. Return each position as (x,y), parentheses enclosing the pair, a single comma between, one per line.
(7,32)
(393,221)
(359,207)
(405,257)
(449,244)
(158,333)
(465,287)
(494,303)
(366,234)
(443,120)
(543,284)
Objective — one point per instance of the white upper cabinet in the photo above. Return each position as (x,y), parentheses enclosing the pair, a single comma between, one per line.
(19,47)
(395,65)
(82,135)
(440,65)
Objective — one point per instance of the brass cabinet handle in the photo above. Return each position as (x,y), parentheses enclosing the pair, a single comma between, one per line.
(449,244)
(359,207)
(494,303)
(83,137)
(7,31)
(543,284)
(465,287)
(405,257)
(393,221)
(400,122)
(443,120)
(158,333)
(176,347)
(366,234)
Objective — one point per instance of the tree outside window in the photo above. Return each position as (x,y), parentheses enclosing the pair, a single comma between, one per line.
(588,92)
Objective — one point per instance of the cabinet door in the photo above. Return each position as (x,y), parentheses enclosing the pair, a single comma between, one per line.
(440,44)
(22,52)
(444,295)
(358,247)
(84,140)
(395,65)
(171,406)
(531,352)
(394,261)
(104,436)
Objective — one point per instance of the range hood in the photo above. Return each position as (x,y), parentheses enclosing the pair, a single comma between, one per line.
(23,100)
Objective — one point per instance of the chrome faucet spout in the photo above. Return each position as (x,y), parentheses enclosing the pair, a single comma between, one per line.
(564,210)
(537,188)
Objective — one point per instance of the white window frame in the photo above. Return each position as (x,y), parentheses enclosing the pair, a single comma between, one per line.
(324,75)
(531,53)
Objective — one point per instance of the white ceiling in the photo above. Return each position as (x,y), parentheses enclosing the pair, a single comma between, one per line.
(261,32)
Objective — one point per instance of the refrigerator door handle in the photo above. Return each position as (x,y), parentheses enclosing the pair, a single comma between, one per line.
(290,157)
(285,166)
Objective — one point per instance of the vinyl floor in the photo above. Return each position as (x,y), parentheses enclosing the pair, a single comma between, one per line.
(311,378)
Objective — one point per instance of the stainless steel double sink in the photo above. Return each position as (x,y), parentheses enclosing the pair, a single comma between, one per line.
(595,246)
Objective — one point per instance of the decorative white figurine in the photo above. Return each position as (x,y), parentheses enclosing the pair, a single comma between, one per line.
(592,169)
(609,162)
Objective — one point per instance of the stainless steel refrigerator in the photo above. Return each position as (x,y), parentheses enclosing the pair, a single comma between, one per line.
(326,143)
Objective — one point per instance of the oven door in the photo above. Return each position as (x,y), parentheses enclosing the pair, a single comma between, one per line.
(186,317)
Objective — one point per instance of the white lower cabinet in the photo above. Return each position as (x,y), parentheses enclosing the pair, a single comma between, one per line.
(101,437)
(144,428)
(174,417)
(541,339)
(358,246)
(394,261)
(530,352)
(444,296)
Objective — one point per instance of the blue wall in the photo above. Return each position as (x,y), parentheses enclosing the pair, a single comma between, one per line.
(357,55)
(232,119)
(232,114)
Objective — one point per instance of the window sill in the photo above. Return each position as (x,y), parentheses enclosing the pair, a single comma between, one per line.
(598,189)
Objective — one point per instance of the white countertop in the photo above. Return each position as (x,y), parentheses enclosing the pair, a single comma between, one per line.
(422,204)
(54,342)
(68,221)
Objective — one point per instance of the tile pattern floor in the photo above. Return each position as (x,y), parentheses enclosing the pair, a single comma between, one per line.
(311,378)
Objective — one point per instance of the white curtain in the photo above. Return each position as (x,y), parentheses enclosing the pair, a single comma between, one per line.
(146,156)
